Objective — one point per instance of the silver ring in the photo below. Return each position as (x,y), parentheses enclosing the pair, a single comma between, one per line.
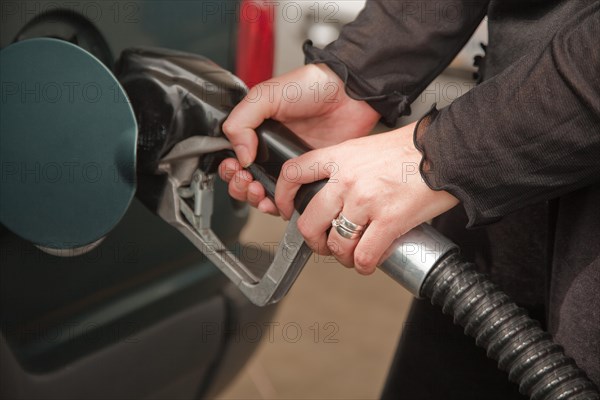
(347,224)
(346,228)
(347,234)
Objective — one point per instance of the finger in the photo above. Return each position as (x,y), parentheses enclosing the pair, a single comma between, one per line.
(337,252)
(257,197)
(378,237)
(245,117)
(256,193)
(238,186)
(268,207)
(316,219)
(341,247)
(228,168)
(297,172)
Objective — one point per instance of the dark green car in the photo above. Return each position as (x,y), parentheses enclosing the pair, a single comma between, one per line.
(143,314)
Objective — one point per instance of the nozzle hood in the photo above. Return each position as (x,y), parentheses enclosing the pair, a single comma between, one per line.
(175,95)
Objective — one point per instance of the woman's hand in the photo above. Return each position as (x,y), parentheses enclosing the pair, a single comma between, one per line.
(312,102)
(373,181)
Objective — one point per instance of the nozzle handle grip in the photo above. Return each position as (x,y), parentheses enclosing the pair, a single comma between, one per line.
(410,258)
(276,145)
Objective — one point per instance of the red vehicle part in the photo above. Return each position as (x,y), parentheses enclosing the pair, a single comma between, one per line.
(256,41)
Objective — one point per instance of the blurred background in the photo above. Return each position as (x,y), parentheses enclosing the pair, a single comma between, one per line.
(335,333)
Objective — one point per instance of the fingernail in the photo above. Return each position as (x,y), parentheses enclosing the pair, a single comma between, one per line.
(225,171)
(254,191)
(238,184)
(262,207)
(243,155)
(333,247)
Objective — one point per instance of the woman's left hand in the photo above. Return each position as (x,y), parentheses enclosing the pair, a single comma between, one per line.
(373,181)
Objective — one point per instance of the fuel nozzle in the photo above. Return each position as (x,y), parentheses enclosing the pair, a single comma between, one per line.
(176,97)
(180,101)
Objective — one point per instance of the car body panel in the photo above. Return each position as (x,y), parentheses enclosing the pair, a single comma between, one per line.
(142,314)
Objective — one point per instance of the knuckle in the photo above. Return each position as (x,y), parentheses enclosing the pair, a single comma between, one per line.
(230,128)
(254,95)
(307,231)
(290,171)
(287,164)
(256,90)
(281,204)
(348,181)
(365,262)
(303,227)
(365,198)
(334,248)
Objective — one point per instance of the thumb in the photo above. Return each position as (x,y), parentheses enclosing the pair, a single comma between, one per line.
(244,119)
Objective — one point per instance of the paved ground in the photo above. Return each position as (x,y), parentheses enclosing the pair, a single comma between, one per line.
(333,336)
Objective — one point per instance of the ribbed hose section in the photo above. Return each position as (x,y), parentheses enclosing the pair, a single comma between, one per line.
(532,360)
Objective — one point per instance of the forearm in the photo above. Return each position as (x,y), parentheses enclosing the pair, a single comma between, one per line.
(394,49)
(527,135)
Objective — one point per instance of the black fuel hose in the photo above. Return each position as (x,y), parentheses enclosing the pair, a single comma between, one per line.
(529,355)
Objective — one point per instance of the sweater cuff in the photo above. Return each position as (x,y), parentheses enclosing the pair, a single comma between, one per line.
(390,106)
(433,170)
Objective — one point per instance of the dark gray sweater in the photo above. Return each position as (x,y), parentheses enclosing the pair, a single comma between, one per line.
(521,150)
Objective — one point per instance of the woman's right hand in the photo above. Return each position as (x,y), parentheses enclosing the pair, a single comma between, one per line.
(312,102)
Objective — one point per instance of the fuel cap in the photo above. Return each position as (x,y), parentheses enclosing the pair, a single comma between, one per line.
(67,145)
